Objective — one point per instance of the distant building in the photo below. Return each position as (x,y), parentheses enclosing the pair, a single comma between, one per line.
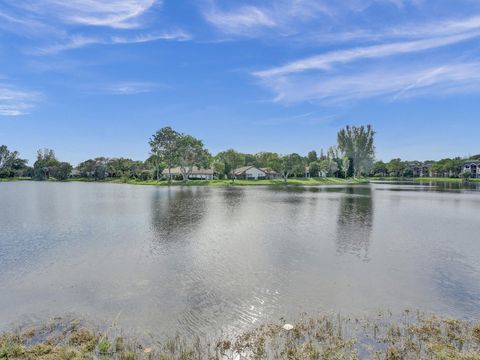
(271,174)
(250,173)
(473,167)
(197,173)
(75,173)
(420,169)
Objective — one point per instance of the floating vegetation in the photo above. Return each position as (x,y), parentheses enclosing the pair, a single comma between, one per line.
(410,336)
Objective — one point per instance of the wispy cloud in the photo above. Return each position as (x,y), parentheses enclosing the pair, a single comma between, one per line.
(54,26)
(120,14)
(390,69)
(16,102)
(286,17)
(393,83)
(241,20)
(131,88)
(326,61)
(80,41)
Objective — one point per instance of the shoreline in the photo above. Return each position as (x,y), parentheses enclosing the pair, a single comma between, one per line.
(215,183)
(425,179)
(409,335)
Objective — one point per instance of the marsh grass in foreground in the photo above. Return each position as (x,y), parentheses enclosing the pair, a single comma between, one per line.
(410,336)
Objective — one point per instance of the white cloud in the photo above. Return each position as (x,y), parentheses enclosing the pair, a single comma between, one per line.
(131,88)
(286,17)
(355,73)
(326,61)
(53,26)
(16,102)
(241,20)
(394,82)
(121,14)
(80,41)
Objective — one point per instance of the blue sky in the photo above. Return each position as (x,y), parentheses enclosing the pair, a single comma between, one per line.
(96,78)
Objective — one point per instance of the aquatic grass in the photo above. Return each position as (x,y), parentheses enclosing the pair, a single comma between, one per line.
(409,336)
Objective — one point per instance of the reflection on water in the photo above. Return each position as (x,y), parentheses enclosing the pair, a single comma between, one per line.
(176,215)
(355,221)
(199,259)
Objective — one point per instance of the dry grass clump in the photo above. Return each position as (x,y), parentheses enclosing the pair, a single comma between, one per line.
(411,336)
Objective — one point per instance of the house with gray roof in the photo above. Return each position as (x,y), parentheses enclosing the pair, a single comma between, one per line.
(250,173)
(196,174)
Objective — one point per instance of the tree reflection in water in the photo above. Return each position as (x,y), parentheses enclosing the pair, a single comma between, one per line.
(176,214)
(355,221)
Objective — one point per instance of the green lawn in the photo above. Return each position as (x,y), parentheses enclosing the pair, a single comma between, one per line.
(276,182)
(15,179)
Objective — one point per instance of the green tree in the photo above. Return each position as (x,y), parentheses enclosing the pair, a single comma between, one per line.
(94,168)
(466,175)
(396,167)
(379,169)
(164,145)
(10,163)
(357,143)
(312,157)
(346,163)
(46,161)
(232,160)
(290,164)
(324,167)
(314,168)
(61,171)
(219,168)
(191,153)
(48,166)
(267,160)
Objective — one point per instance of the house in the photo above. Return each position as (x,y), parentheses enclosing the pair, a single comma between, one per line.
(250,173)
(420,169)
(197,173)
(271,174)
(473,167)
(75,173)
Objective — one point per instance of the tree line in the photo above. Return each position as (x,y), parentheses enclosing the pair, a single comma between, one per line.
(445,168)
(352,156)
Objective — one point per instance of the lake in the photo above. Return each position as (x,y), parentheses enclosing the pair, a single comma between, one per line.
(199,260)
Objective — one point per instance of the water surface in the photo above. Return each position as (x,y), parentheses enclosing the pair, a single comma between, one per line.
(199,260)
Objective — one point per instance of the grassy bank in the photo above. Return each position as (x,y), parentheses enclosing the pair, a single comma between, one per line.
(15,179)
(276,182)
(410,336)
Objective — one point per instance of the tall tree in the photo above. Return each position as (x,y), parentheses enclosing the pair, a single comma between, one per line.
(46,161)
(10,164)
(164,144)
(312,156)
(191,153)
(396,167)
(379,168)
(357,143)
(232,160)
(48,166)
(290,164)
